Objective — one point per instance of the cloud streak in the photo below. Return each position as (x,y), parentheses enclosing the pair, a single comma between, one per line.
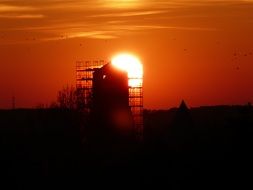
(22,16)
(13,8)
(129,14)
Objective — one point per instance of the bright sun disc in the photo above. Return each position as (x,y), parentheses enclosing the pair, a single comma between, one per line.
(132,65)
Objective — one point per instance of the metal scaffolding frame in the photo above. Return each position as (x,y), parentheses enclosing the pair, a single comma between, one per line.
(136,105)
(84,77)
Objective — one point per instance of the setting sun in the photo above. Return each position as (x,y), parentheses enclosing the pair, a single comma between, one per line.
(132,65)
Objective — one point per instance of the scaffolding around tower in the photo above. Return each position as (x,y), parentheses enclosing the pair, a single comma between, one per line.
(84,81)
(84,86)
(136,105)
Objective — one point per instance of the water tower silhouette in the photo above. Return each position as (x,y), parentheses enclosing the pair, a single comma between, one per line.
(110,110)
(113,106)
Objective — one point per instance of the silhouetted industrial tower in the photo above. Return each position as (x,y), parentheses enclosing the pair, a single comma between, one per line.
(84,86)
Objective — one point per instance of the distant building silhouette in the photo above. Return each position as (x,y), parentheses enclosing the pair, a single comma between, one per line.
(183,107)
(181,132)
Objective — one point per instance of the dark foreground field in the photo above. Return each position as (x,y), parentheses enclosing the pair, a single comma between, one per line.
(203,148)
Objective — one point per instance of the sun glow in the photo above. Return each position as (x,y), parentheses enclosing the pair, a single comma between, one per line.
(132,65)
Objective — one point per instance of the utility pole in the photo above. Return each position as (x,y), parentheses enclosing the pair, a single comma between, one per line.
(13,102)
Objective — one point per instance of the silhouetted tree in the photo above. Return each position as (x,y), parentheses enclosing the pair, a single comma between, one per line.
(80,100)
(67,98)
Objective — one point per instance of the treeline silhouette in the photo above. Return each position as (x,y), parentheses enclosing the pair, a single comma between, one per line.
(203,148)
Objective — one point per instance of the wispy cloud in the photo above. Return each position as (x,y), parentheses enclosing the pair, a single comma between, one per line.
(91,34)
(128,14)
(19,12)
(144,27)
(103,19)
(22,16)
(12,8)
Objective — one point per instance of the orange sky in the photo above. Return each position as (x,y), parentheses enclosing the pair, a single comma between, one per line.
(200,51)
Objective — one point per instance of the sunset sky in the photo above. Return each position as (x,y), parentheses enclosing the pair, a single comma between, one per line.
(197,50)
